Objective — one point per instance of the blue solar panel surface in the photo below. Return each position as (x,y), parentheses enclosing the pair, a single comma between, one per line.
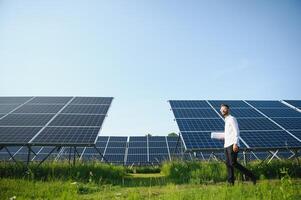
(258,122)
(59,120)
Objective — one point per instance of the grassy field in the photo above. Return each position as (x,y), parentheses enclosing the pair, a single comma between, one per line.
(173,180)
(273,189)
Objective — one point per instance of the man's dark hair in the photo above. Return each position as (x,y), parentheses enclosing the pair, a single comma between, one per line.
(225,105)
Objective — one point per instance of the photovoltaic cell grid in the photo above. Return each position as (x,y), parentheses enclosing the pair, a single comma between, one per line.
(197,119)
(51,120)
(289,119)
(295,103)
(115,150)
(158,150)
(137,150)
(151,149)
(91,154)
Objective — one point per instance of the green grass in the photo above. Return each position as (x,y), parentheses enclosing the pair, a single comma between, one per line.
(173,180)
(24,189)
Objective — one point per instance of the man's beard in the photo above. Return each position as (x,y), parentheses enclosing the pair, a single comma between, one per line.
(225,114)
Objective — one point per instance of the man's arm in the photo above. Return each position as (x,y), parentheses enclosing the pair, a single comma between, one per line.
(234,125)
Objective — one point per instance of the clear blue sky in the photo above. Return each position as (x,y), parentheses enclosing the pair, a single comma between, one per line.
(144,53)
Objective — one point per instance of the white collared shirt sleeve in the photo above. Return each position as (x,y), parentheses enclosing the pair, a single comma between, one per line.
(235,129)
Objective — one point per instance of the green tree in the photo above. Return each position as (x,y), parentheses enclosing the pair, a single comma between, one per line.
(173,134)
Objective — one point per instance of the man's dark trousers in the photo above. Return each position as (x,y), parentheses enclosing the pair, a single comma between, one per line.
(231,162)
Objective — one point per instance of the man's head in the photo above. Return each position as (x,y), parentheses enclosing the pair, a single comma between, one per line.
(225,110)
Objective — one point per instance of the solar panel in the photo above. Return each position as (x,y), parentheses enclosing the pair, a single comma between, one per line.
(159,150)
(156,139)
(67,153)
(200,124)
(90,150)
(296,133)
(158,158)
(118,139)
(78,123)
(25,119)
(4,156)
(267,104)
(87,109)
(29,108)
(91,153)
(136,159)
(195,113)
(289,123)
(17,135)
(138,144)
(231,103)
(6,108)
(256,124)
(188,104)
(157,144)
(44,152)
(295,103)
(245,113)
(92,100)
(196,125)
(50,100)
(14,100)
(116,144)
(269,139)
(115,158)
(197,140)
(280,112)
(66,135)
(77,120)
(22,153)
(115,149)
(137,150)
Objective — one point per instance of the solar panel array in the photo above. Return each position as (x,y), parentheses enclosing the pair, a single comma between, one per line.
(50,121)
(134,150)
(46,123)
(263,124)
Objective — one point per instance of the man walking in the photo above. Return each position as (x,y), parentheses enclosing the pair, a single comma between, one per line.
(231,145)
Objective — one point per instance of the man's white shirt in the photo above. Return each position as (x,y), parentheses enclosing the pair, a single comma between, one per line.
(231,131)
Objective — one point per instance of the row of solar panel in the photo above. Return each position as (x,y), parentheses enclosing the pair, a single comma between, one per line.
(114,151)
(55,100)
(263,124)
(233,103)
(249,124)
(52,120)
(53,108)
(237,112)
(138,150)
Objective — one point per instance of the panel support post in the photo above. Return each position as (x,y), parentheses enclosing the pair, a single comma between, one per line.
(98,151)
(74,154)
(12,157)
(47,156)
(174,151)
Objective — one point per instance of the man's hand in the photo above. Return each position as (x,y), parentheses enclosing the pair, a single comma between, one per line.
(235,148)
